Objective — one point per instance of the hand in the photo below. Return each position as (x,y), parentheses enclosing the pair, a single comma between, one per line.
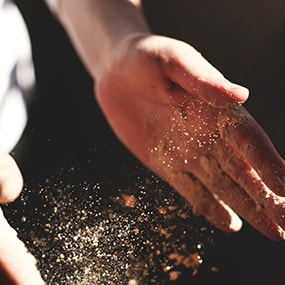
(182,119)
(18,266)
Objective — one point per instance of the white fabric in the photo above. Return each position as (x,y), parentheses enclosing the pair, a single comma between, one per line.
(16,74)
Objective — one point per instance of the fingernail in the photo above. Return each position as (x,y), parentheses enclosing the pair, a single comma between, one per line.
(239,92)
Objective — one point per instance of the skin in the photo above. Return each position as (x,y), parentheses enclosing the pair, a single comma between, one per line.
(17,266)
(210,150)
(178,115)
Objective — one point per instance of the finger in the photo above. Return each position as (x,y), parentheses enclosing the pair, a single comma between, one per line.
(245,176)
(11,181)
(246,136)
(198,77)
(15,261)
(204,203)
(219,183)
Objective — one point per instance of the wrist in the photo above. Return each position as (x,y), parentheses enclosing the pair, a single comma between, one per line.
(98,27)
(119,35)
(125,48)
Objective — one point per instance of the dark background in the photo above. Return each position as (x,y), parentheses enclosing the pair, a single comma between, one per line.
(244,39)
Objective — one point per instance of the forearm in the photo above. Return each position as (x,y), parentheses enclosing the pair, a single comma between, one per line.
(96,27)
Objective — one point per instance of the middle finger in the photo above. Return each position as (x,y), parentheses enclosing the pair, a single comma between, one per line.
(219,183)
(246,176)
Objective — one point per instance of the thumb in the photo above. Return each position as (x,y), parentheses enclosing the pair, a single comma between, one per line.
(11,181)
(199,78)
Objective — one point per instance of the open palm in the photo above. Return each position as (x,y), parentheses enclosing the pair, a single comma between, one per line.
(183,120)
